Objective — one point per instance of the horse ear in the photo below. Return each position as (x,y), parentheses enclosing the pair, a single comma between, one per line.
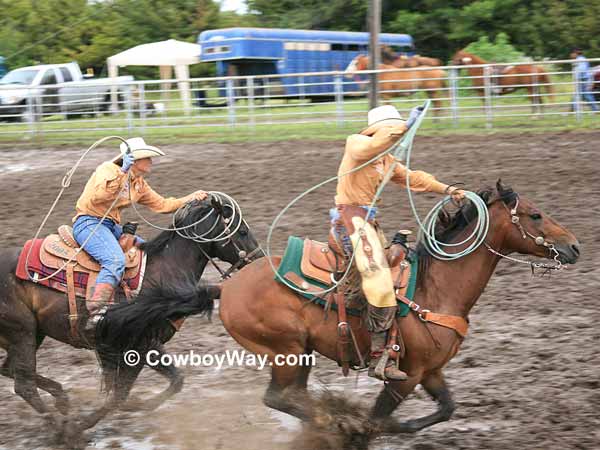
(216,204)
(499,186)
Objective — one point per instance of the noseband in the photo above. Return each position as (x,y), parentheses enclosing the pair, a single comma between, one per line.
(539,240)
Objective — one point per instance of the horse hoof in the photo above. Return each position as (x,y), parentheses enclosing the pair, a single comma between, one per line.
(62,405)
(73,436)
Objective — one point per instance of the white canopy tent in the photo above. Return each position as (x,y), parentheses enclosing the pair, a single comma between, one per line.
(166,55)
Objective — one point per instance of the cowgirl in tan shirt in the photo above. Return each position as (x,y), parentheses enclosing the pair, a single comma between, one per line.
(121,179)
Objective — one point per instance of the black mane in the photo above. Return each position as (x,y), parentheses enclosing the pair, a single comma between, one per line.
(190,213)
(449,226)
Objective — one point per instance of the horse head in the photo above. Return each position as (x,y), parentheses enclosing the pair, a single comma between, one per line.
(528,230)
(219,225)
(461,58)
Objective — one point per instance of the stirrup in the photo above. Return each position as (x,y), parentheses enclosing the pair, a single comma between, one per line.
(94,318)
(379,371)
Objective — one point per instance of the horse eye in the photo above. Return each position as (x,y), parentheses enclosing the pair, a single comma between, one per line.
(243,232)
(535,216)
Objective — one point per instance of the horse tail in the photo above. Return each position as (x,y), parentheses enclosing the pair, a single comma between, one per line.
(142,323)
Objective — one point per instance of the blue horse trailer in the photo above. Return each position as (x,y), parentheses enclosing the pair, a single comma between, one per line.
(263,51)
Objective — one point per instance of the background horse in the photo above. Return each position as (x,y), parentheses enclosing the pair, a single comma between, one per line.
(267,318)
(506,79)
(30,312)
(405,82)
(388,56)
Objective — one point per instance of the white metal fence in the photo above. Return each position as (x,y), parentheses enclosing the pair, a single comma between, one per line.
(334,98)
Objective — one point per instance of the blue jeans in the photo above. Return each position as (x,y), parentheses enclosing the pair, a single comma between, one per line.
(585,87)
(103,246)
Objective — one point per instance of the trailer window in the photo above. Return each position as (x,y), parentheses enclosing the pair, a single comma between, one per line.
(213,50)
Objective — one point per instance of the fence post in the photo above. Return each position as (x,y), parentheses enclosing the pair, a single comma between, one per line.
(301,87)
(129,112)
(230,101)
(250,94)
(29,112)
(487,96)
(339,99)
(576,94)
(142,107)
(454,95)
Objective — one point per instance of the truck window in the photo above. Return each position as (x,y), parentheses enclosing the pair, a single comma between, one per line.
(66,74)
(19,77)
(49,77)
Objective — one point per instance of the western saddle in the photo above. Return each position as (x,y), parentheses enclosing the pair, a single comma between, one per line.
(57,249)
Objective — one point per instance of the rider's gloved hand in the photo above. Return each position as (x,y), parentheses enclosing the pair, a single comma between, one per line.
(128,161)
(414,115)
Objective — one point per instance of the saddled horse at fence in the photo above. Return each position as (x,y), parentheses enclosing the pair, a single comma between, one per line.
(29,312)
(406,82)
(266,317)
(507,79)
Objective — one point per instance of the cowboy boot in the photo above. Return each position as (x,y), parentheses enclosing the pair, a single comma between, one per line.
(96,305)
(380,366)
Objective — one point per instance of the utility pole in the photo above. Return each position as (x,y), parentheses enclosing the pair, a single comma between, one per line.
(374,53)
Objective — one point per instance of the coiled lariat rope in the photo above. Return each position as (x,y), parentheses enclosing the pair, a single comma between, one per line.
(400,150)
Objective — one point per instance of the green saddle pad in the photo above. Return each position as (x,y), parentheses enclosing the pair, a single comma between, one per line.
(291,263)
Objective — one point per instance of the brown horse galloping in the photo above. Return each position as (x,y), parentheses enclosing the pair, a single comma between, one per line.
(388,56)
(405,82)
(267,318)
(508,78)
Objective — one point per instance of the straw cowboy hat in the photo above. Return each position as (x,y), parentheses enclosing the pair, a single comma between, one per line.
(382,116)
(139,149)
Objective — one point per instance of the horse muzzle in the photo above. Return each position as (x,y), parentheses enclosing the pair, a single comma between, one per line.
(568,253)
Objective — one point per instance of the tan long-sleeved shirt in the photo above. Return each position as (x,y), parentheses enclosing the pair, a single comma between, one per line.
(108,182)
(359,188)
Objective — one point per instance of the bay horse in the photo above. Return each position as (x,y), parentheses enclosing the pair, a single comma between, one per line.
(405,82)
(267,318)
(30,312)
(507,79)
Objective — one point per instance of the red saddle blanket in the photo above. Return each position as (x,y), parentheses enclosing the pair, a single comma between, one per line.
(38,271)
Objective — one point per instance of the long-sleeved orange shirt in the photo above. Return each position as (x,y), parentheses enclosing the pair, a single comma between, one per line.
(359,188)
(107,182)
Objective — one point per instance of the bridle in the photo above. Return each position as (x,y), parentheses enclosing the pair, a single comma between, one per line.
(233,224)
(539,240)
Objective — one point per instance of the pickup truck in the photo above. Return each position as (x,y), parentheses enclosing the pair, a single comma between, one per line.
(31,93)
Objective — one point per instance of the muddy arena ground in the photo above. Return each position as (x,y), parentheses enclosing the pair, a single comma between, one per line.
(527,376)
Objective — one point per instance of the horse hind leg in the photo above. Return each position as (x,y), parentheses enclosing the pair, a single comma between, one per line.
(54,388)
(20,365)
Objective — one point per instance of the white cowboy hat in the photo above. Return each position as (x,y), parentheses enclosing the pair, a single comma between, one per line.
(139,149)
(382,116)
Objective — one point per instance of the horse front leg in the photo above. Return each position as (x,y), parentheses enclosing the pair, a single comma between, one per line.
(391,396)
(171,373)
(435,385)
(287,391)
(118,382)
